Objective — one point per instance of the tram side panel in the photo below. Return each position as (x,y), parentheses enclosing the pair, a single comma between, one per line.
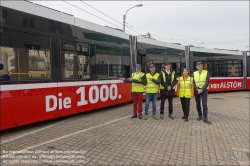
(90,95)
(248,70)
(21,105)
(248,83)
(225,84)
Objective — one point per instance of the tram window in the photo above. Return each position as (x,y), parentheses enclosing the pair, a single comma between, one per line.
(223,68)
(177,68)
(177,63)
(69,65)
(126,62)
(25,56)
(157,60)
(68,60)
(24,64)
(108,62)
(85,56)
(233,68)
(218,68)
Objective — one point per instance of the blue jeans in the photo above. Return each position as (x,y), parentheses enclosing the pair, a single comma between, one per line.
(148,98)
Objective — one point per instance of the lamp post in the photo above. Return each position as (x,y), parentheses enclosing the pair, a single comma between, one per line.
(124,16)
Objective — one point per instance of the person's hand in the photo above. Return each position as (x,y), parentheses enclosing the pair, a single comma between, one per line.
(139,80)
(121,79)
(199,91)
(169,88)
(130,79)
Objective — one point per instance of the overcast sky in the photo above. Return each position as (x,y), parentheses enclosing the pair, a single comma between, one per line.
(217,24)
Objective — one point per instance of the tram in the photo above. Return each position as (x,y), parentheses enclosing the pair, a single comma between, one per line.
(64,65)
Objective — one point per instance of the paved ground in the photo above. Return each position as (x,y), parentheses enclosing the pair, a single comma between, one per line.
(110,137)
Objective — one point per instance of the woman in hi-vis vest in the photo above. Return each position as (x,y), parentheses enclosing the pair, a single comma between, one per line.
(185,92)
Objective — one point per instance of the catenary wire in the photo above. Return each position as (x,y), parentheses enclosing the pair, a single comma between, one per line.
(94,15)
(186,36)
(109,16)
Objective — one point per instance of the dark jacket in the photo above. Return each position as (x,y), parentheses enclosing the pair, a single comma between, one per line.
(143,78)
(164,84)
(158,81)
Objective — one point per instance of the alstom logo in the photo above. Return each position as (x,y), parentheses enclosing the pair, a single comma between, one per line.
(226,85)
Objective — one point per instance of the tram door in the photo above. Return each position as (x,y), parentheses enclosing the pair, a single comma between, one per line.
(177,63)
(83,60)
(157,60)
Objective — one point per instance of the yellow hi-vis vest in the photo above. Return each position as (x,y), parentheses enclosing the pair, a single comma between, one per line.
(200,79)
(151,87)
(185,88)
(164,79)
(137,87)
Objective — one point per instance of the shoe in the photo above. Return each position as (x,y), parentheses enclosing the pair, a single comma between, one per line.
(134,116)
(154,116)
(206,121)
(162,116)
(186,119)
(199,118)
(171,117)
(140,116)
(183,117)
(146,117)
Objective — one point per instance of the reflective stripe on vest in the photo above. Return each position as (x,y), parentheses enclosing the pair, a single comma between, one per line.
(151,87)
(200,79)
(137,87)
(185,87)
(164,79)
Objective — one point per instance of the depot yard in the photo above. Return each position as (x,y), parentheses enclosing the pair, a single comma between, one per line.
(110,137)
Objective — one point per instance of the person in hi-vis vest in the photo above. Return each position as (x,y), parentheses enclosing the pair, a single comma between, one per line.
(168,81)
(201,82)
(185,90)
(137,90)
(152,88)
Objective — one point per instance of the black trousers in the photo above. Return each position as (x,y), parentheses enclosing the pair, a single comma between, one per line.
(185,102)
(198,98)
(170,104)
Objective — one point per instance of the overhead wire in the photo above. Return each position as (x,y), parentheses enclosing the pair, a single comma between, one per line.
(187,36)
(99,11)
(108,16)
(231,41)
(93,15)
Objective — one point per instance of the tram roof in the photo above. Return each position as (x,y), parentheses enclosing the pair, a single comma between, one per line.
(215,51)
(159,43)
(42,11)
